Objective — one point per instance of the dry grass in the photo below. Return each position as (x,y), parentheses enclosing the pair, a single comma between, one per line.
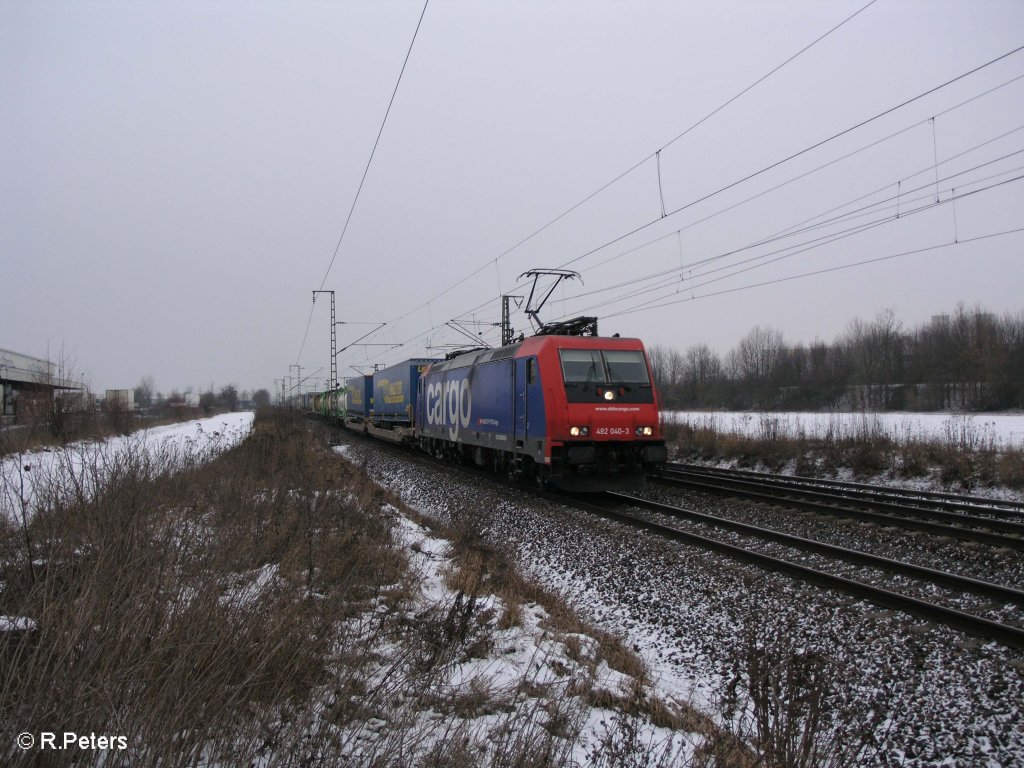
(257,608)
(192,609)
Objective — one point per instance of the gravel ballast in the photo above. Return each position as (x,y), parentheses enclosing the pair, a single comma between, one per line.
(931,695)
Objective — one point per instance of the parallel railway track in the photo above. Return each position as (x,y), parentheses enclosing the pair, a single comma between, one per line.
(615,506)
(996,526)
(953,502)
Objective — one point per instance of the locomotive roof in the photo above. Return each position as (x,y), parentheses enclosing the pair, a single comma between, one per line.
(476,357)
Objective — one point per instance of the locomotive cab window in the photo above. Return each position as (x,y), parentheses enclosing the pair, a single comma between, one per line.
(582,366)
(626,367)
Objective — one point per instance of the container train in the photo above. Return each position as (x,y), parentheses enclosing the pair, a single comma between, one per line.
(580,413)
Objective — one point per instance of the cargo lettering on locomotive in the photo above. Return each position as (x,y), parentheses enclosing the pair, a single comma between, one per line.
(450,404)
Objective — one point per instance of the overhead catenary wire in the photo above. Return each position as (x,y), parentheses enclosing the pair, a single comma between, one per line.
(679,136)
(746,178)
(793,231)
(366,170)
(795,249)
(947,110)
(824,270)
(803,152)
(650,303)
(795,155)
(678,232)
(809,244)
(639,163)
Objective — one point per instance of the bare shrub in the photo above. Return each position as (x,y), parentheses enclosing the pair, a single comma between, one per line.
(120,420)
(780,700)
(1010,468)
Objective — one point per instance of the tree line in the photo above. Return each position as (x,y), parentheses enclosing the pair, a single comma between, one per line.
(967,360)
(228,398)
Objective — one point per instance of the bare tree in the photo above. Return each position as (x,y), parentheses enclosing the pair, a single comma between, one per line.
(668,368)
(702,372)
(876,350)
(228,397)
(144,391)
(755,361)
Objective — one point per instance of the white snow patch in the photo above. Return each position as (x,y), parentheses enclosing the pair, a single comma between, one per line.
(16,624)
(73,469)
(530,654)
(1002,430)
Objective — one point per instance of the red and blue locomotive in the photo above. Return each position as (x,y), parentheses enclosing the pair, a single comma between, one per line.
(576,412)
(566,407)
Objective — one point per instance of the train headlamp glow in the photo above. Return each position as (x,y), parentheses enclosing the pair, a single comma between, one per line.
(644,431)
(579,431)
(609,395)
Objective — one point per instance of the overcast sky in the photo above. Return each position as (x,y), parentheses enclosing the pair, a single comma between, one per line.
(174,176)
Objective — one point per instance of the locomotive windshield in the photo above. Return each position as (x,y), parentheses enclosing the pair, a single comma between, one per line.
(591,366)
(626,367)
(580,366)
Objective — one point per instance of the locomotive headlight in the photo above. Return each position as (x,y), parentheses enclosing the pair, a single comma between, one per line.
(579,431)
(644,431)
(609,395)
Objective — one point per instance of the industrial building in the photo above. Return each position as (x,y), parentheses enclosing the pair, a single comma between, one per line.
(26,379)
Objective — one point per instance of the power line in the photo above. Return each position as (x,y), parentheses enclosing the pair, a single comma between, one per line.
(383,122)
(810,245)
(760,172)
(704,119)
(793,227)
(639,163)
(787,252)
(795,155)
(793,231)
(797,178)
(825,270)
(366,171)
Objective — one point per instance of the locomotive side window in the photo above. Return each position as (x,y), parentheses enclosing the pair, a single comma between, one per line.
(582,366)
(626,367)
(531,370)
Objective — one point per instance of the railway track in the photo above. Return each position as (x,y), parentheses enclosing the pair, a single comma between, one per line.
(999,524)
(952,502)
(618,507)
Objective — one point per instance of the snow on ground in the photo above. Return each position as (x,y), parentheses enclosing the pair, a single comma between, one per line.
(530,655)
(1001,430)
(944,698)
(16,624)
(24,476)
